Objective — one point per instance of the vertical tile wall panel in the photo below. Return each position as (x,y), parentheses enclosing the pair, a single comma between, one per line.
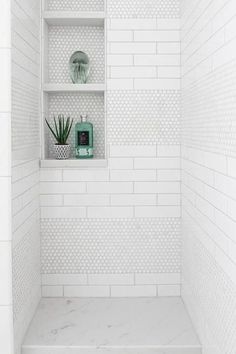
(106,225)
(208,33)
(6,310)
(25,163)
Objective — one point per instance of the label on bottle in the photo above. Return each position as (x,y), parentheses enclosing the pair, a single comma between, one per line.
(84,152)
(83,138)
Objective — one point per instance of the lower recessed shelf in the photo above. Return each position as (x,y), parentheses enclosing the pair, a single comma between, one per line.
(73,163)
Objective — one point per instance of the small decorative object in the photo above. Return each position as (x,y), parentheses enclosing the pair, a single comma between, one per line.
(83,139)
(61,132)
(79,67)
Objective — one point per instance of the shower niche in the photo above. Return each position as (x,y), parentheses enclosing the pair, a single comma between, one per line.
(68,26)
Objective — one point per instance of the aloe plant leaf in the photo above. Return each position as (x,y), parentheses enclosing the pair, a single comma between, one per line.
(51,130)
(55,123)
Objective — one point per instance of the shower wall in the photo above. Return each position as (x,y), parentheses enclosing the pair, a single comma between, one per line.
(115,231)
(6,325)
(25,162)
(209,170)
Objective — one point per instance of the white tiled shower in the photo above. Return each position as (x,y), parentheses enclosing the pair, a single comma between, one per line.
(156,219)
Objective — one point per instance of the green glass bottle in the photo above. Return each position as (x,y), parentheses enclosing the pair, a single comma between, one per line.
(84,139)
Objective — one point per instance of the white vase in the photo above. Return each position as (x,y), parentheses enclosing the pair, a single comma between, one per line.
(62,152)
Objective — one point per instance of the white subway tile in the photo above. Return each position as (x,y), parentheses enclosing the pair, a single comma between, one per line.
(168,150)
(133,24)
(5,208)
(133,199)
(120,163)
(119,60)
(6,273)
(133,175)
(168,175)
(110,212)
(5,24)
(5,138)
(51,200)
(168,48)
(85,175)
(231,166)
(156,36)
(62,187)
(168,290)
(119,36)
(109,187)
(87,291)
(64,279)
(52,291)
(133,72)
(158,60)
(157,212)
(133,48)
(158,163)
(111,279)
(157,187)
(120,84)
(6,329)
(132,150)
(50,175)
(225,185)
(168,24)
(86,199)
(231,209)
(157,278)
(5,82)
(63,212)
(169,72)
(157,84)
(133,291)
(169,199)
(216,162)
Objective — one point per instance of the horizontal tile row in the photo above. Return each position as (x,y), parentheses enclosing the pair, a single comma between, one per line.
(143,84)
(112,212)
(213,161)
(110,187)
(109,200)
(143,36)
(143,24)
(143,72)
(111,291)
(111,279)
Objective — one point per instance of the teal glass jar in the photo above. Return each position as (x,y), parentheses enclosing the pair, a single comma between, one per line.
(84,139)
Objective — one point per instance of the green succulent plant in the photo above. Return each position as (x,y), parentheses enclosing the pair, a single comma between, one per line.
(62,128)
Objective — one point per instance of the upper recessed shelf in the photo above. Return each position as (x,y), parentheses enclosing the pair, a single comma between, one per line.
(71,18)
(74,87)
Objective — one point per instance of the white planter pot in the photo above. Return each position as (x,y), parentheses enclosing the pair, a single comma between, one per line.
(62,152)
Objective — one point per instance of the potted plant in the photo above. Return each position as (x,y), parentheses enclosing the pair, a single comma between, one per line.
(61,132)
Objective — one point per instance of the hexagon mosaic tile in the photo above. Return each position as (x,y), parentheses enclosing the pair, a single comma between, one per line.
(26,270)
(74,104)
(202,274)
(75,5)
(141,9)
(64,41)
(208,120)
(110,246)
(130,113)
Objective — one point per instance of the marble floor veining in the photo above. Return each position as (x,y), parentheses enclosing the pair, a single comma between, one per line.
(119,326)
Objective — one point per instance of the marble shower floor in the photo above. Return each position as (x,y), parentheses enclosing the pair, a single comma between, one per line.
(119,326)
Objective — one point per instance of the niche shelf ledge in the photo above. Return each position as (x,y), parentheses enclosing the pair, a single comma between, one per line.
(74,87)
(73,163)
(71,18)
